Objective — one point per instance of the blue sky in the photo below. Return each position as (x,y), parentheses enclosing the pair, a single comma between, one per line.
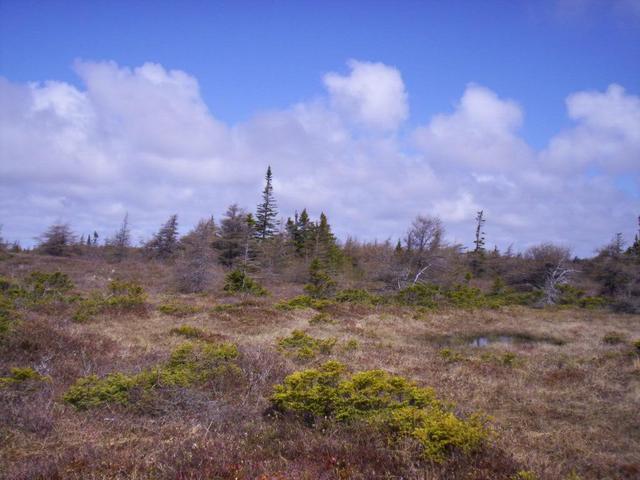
(253,61)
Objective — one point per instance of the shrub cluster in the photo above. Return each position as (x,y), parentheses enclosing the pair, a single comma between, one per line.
(303,301)
(189,331)
(237,281)
(390,403)
(304,346)
(178,309)
(360,296)
(20,375)
(121,297)
(190,364)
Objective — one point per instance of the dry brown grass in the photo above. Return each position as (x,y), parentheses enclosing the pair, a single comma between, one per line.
(555,408)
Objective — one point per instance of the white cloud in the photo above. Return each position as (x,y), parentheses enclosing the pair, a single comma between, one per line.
(606,135)
(480,134)
(142,140)
(373,94)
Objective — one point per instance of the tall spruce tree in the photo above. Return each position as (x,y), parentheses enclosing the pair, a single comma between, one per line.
(266,213)
(479,241)
(164,243)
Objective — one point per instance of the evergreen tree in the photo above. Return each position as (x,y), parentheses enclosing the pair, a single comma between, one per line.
(265,221)
(634,249)
(232,238)
(479,241)
(121,241)
(95,237)
(164,243)
(88,240)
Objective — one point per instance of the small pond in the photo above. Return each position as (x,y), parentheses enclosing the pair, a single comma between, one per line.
(486,339)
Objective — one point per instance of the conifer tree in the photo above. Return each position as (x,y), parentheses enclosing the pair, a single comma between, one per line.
(121,241)
(165,243)
(232,236)
(266,213)
(479,241)
(95,237)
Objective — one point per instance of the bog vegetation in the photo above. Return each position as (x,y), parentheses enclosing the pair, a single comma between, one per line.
(256,348)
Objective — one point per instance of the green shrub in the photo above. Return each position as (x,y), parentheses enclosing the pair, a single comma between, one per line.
(189,364)
(188,331)
(8,316)
(390,403)
(21,374)
(238,281)
(636,345)
(451,356)
(178,309)
(321,318)
(351,345)
(358,296)
(121,297)
(303,301)
(43,287)
(304,346)
(320,285)
(419,294)
(125,295)
(525,475)
(614,338)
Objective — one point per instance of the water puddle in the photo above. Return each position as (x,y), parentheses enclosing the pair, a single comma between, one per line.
(481,340)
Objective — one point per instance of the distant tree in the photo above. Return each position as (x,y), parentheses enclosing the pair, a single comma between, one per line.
(634,249)
(265,221)
(193,270)
(320,285)
(95,238)
(57,240)
(422,251)
(121,241)
(300,231)
(479,241)
(3,244)
(88,240)
(164,243)
(232,238)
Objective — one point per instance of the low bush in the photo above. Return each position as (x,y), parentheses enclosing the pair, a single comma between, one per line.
(303,301)
(121,297)
(451,356)
(21,375)
(8,316)
(188,331)
(304,346)
(238,281)
(40,287)
(320,318)
(392,404)
(420,294)
(190,364)
(179,309)
(358,296)
(614,338)
(320,285)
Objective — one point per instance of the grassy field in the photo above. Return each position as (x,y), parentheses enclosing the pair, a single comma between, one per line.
(561,386)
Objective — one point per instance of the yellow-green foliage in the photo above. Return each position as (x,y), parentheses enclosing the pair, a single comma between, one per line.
(8,315)
(351,345)
(358,296)
(238,281)
(190,364)
(121,297)
(20,375)
(189,331)
(303,301)
(525,475)
(613,338)
(321,318)
(304,346)
(125,295)
(508,359)
(179,309)
(391,403)
(420,295)
(451,356)
(572,296)
(43,287)
(636,345)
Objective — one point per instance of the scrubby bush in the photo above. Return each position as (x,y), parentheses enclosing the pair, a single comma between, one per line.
(390,403)
(320,285)
(121,297)
(450,356)
(20,375)
(303,301)
(238,281)
(420,294)
(304,346)
(613,338)
(358,296)
(8,315)
(178,309)
(320,318)
(190,364)
(188,331)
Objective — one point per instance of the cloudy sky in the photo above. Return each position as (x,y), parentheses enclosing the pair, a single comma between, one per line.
(373,112)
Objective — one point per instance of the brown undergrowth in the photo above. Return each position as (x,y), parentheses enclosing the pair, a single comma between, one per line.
(561,401)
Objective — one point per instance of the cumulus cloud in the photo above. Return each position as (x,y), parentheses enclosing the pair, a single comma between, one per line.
(142,140)
(606,134)
(481,134)
(373,94)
